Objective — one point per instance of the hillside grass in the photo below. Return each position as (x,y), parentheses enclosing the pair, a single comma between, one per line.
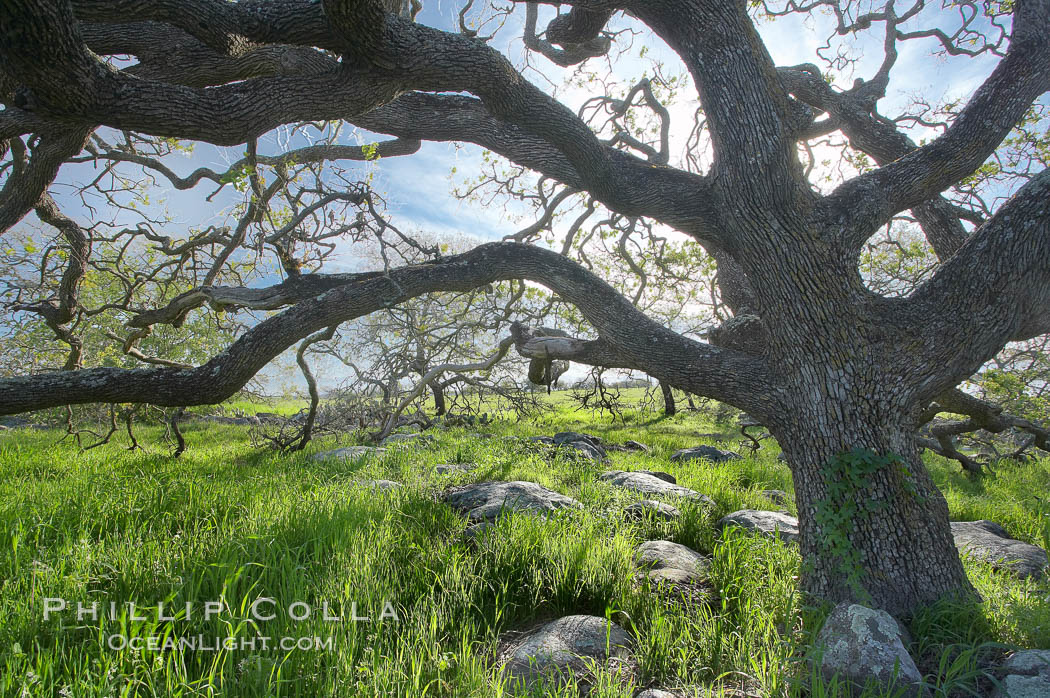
(227,522)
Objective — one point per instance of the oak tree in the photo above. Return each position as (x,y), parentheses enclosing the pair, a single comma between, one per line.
(840,373)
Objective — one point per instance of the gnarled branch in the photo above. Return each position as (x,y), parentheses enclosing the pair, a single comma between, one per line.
(721,374)
(867,201)
(996,288)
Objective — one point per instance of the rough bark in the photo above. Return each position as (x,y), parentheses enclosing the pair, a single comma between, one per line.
(668,393)
(438,391)
(898,552)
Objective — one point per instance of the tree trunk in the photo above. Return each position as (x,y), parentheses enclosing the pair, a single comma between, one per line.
(874,528)
(669,406)
(439,398)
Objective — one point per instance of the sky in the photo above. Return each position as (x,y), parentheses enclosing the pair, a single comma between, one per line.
(418,188)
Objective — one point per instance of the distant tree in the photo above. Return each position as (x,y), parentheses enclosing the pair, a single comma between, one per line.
(841,373)
(421,348)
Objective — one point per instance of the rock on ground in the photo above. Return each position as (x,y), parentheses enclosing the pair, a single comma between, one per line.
(715,455)
(380,485)
(655,693)
(348,453)
(560,649)
(473,532)
(666,477)
(649,508)
(775,496)
(408,439)
(630,446)
(589,450)
(220,419)
(564,437)
(1026,675)
(647,483)
(988,541)
(485,501)
(589,446)
(14,422)
(770,523)
(861,644)
(671,562)
(451,468)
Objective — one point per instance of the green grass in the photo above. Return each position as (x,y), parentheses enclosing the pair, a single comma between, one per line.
(226,522)
(281,406)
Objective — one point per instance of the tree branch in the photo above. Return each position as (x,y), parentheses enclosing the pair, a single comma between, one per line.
(290,291)
(544,345)
(169,54)
(584,28)
(725,375)
(311,383)
(867,201)
(851,112)
(995,289)
(982,415)
(298,156)
(751,117)
(67,80)
(29,181)
(426,59)
(640,188)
